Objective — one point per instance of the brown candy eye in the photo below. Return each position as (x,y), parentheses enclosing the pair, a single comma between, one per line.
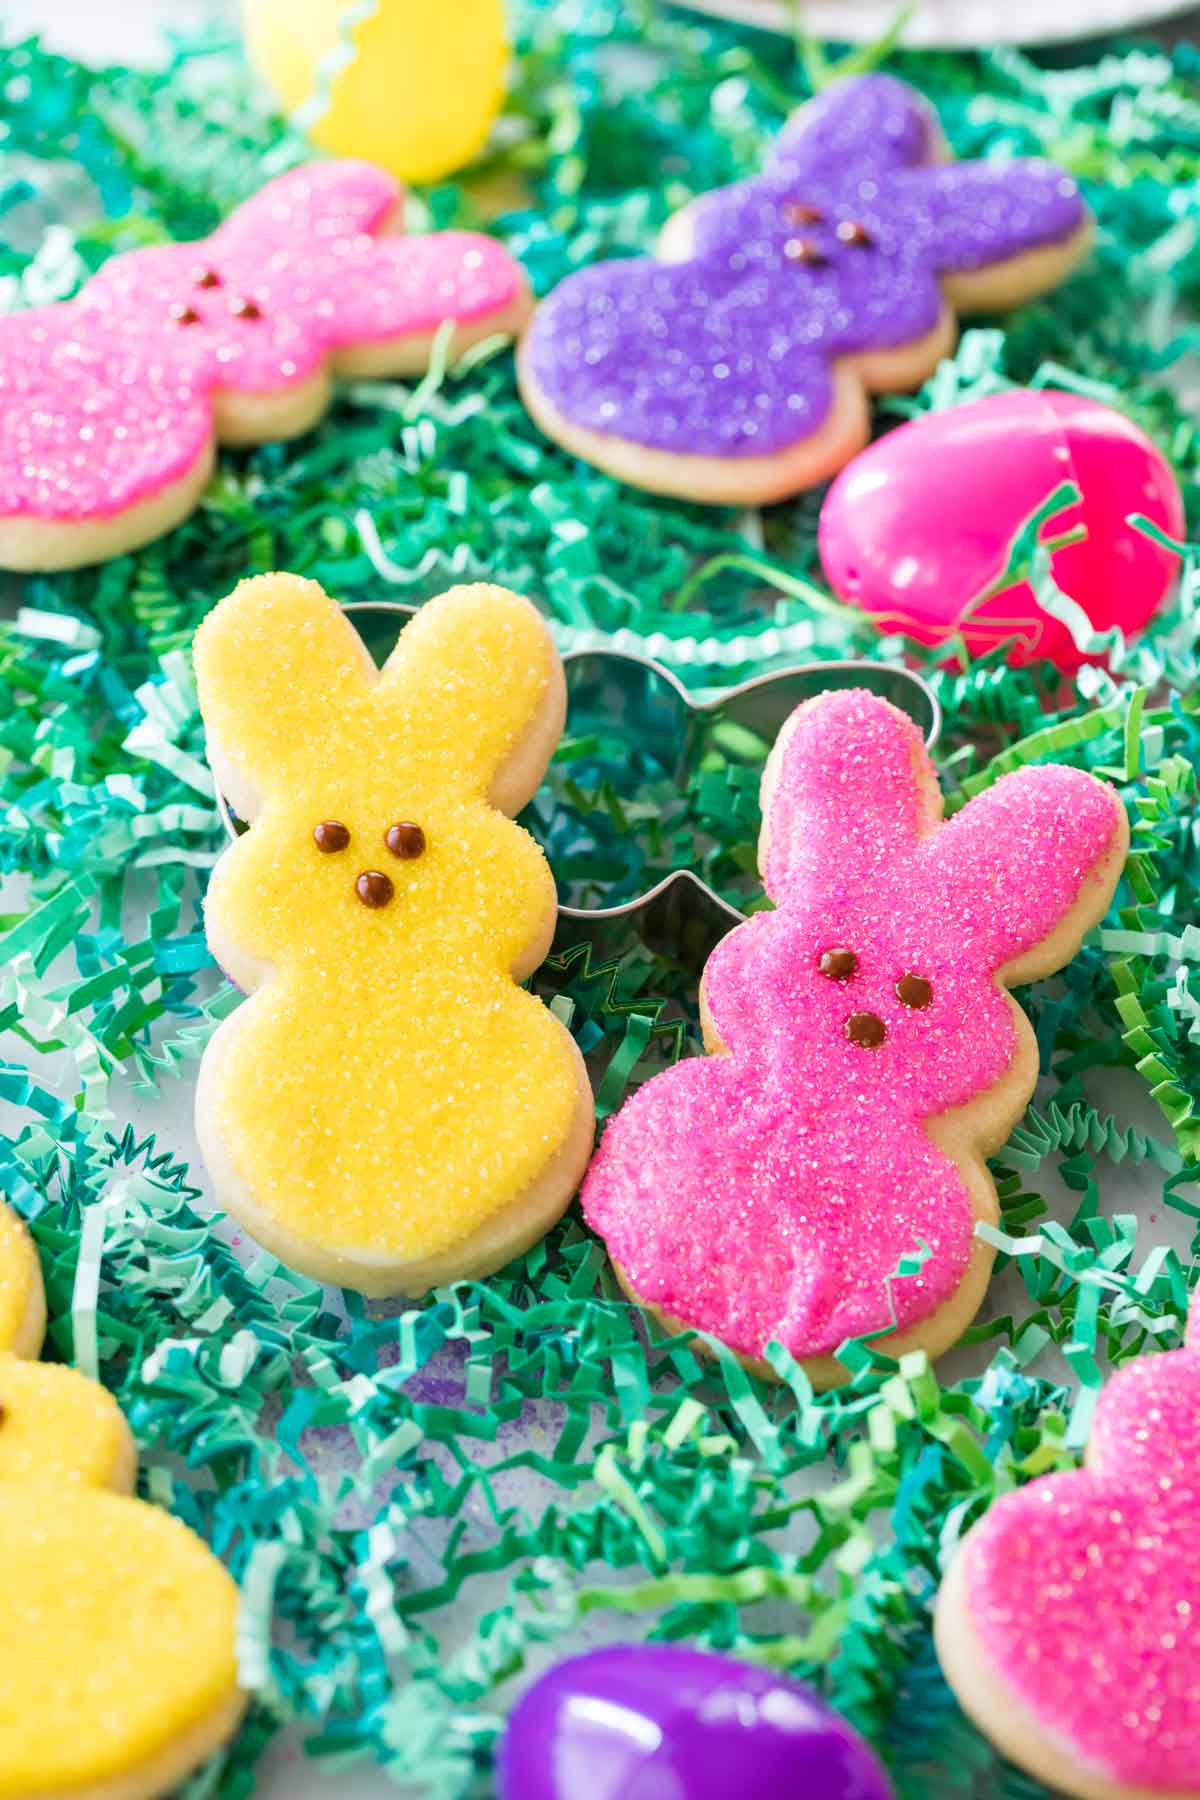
(331,835)
(244,309)
(850,231)
(405,839)
(803,250)
(799,212)
(207,278)
(839,965)
(374,888)
(914,990)
(866,1029)
(182,314)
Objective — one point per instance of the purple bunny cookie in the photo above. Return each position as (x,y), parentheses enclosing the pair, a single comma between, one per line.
(734,368)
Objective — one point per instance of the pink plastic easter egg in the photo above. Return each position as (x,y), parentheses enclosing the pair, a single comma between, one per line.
(919,525)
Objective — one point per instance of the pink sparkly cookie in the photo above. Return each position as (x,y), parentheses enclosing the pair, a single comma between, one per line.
(111,404)
(865,1054)
(735,366)
(1069,1621)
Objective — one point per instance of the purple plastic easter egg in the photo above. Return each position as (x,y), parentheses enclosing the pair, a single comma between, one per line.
(661,1722)
(919,525)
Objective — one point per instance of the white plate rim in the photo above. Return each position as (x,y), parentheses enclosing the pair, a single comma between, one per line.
(951,24)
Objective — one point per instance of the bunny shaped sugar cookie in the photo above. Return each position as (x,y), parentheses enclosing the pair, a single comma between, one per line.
(389,1109)
(735,366)
(117,1669)
(111,404)
(1068,1623)
(866,1055)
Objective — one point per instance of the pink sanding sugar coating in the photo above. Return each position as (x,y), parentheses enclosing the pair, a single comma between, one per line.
(770,1192)
(108,398)
(1085,1587)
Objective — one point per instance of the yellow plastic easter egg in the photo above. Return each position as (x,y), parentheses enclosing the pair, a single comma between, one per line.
(414,85)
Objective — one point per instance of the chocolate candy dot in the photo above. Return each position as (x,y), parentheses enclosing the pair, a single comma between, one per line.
(914,990)
(839,965)
(183,314)
(850,231)
(866,1029)
(330,835)
(244,309)
(799,212)
(208,278)
(803,250)
(405,839)
(374,888)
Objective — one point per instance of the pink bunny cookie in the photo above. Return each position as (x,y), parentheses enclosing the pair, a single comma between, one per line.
(111,404)
(866,1057)
(1068,1623)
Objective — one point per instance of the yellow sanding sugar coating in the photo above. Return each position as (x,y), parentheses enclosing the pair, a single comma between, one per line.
(419,91)
(56,1423)
(389,1087)
(20,1286)
(116,1622)
(116,1637)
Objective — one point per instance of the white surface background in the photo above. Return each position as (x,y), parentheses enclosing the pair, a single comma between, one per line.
(129,30)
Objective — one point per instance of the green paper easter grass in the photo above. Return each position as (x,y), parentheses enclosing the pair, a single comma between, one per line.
(421,1504)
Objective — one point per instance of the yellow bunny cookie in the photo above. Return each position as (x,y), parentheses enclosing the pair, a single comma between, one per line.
(389,1110)
(117,1671)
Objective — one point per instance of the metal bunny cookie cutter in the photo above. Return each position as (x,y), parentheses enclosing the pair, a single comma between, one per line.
(618,695)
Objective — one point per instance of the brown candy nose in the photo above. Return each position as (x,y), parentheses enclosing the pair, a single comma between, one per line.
(374,888)
(867,1029)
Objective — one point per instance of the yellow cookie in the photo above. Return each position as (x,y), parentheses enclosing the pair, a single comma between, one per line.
(117,1670)
(22,1298)
(55,1422)
(389,1110)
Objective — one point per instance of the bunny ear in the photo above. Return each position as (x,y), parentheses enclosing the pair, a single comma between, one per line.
(848,790)
(478,687)
(980,214)
(1024,870)
(277,667)
(1191,1336)
(322,200)
(868,122)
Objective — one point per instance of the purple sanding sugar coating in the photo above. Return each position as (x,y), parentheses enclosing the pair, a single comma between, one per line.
(661,1722)
(835,249)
